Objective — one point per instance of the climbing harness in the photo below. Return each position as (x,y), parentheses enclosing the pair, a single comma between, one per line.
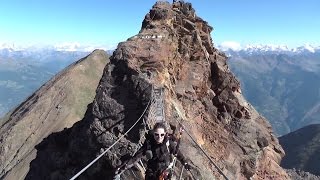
(165,175)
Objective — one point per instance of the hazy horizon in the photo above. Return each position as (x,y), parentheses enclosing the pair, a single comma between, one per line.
(106,23)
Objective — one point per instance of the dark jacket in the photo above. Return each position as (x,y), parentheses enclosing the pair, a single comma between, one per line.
(161,154)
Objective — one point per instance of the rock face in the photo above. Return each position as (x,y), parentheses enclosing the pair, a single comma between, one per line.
(173,50)
(302,149)
(58,104)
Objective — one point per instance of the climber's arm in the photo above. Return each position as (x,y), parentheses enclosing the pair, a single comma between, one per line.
(133,159)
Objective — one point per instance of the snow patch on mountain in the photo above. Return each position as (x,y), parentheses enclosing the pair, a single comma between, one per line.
(230,47)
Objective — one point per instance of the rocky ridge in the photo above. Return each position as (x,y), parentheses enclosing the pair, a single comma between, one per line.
(58,104)
(173,50)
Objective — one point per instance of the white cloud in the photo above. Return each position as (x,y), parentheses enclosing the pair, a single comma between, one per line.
(74,46)
(65,46)
(230,45)
(10,46)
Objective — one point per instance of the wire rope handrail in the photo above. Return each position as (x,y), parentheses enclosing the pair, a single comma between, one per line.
(97,158)
(148,105)
(203,151)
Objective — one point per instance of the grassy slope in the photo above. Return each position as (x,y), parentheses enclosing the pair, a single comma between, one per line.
(84,82)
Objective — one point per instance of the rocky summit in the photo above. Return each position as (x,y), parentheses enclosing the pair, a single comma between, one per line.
(173,51)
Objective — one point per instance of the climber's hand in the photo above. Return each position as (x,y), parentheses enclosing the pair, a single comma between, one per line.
(187,166)
(117,171)
(121,168)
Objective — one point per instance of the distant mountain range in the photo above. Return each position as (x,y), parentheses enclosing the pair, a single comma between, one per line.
(282,84)
(231,48)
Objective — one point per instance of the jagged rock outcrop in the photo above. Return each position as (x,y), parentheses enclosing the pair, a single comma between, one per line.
(58,104)
(173,50)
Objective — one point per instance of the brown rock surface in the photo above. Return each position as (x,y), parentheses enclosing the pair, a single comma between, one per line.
(58,104)
(173,50)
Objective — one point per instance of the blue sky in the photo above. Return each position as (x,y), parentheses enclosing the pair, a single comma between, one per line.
(107,22)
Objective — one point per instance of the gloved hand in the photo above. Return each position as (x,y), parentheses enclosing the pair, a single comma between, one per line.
(187,166)
(121,168)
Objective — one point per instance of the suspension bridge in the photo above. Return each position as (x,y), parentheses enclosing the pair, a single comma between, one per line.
(156,114)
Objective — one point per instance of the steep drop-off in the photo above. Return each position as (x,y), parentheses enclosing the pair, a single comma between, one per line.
(302,149)
(283,87)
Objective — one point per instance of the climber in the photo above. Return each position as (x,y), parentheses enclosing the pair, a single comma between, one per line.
(161,151)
